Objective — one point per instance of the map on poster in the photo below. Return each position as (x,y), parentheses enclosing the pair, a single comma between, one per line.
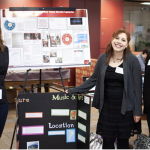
(46,39)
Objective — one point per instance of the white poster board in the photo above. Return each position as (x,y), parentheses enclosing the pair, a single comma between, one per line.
(46,39)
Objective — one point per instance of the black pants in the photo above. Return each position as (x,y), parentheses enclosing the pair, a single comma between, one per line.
(148,122)
(3,116)
(108,143)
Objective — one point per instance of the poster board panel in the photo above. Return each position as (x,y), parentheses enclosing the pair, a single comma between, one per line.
(50,120)
(46,39)
(83,118)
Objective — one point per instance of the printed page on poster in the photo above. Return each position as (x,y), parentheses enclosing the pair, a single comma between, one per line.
(46,39)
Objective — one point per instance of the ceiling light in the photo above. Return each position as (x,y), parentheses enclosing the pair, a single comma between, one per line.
(146,3)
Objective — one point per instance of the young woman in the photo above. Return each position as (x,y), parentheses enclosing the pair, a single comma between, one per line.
(3,70)
(118,94)
(146,90)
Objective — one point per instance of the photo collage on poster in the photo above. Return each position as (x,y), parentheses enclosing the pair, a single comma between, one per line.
(52,40)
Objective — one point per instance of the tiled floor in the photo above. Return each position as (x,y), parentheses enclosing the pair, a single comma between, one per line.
(6,138)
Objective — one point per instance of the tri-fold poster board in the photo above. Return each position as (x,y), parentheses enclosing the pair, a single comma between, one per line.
(53,121)
(46,39)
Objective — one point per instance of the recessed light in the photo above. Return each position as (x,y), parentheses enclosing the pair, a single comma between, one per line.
(146,3)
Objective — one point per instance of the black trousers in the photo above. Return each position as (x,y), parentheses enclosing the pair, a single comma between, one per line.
(148,122)
(3,116)
(108,143)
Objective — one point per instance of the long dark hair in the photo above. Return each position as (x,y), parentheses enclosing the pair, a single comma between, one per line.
(109,49)
(1,42)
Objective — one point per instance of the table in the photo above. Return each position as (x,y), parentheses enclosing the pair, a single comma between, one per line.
(16,78)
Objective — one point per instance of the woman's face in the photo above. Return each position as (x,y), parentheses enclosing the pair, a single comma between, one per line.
(120,42)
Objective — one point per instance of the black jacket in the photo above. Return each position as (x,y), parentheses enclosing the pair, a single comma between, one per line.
(146,88)
(132,93)
(4,60)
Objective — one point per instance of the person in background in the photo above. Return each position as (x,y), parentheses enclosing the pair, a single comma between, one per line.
(4,60)
(118,94)
(146,90)
(148,38)
(142,59)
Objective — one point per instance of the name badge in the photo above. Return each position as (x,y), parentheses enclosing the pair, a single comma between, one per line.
(148,63)
(119,70)
(0,94)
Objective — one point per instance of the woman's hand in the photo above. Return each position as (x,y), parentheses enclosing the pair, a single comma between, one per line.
(136,118)
(66,91)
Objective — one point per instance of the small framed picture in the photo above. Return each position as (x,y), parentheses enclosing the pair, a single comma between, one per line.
(70,135)
(73,115)
(33,145)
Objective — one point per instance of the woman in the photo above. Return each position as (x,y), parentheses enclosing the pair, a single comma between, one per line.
(3,70)
(118,94)
(146,90)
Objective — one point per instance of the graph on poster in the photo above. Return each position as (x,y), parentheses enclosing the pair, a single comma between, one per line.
(46,39)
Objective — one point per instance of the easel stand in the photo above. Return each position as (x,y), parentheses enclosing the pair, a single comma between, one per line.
(39,90)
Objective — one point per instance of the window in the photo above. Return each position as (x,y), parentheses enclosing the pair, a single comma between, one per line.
(137,22)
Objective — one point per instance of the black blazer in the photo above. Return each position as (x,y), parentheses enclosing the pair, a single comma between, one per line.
(4,60)
(146,88)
